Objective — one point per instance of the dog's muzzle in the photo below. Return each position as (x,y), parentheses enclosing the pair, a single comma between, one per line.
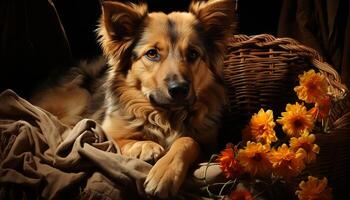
(178,94)
(178,91)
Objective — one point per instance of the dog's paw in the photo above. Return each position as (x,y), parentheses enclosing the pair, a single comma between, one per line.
(165,177)
(145,150)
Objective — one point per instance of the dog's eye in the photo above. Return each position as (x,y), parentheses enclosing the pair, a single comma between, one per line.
(192,55)
(152,55)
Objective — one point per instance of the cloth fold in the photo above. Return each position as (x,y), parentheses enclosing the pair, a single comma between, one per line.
(50,158)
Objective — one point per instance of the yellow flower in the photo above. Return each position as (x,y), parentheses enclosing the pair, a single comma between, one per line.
(254,159)
(286,162)
(312,87)
(306,142)
(296,120)
(260,128)
(314,189)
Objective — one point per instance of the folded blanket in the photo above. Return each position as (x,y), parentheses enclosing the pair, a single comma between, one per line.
(42,158)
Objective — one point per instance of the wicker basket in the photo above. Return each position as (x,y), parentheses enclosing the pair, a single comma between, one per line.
(261,71)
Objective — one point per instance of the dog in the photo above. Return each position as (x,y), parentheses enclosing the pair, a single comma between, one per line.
(163,89)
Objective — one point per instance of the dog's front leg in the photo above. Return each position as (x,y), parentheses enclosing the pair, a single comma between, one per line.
(167,175)
(131,142)
(145,149)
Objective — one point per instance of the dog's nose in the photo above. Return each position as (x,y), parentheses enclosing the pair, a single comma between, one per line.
(178,91)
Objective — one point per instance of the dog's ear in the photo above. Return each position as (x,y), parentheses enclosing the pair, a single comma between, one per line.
(122,20)
(120,23)
(217,22)
(216,16)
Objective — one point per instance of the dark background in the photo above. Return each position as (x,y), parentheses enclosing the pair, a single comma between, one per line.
(40,39)
(33,48)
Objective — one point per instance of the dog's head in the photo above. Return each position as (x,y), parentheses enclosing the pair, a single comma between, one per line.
(171,58)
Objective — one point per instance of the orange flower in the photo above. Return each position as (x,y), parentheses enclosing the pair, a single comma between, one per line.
(296,120)
(314,189)
(260,128)
(312,87)
(314,112)
(254,159)
(306,142)
(228,164)
(286,162)
(241,194)
(321,109)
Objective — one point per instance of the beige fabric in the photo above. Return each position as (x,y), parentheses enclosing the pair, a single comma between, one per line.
(49,159)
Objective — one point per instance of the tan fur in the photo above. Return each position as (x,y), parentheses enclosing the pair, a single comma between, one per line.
(60,101)
(145,130)
(141,115)
(67,99)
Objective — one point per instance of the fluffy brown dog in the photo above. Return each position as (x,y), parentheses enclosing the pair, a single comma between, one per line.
(164,91)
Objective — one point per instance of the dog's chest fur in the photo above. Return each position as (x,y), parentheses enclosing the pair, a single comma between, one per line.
(137,118)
